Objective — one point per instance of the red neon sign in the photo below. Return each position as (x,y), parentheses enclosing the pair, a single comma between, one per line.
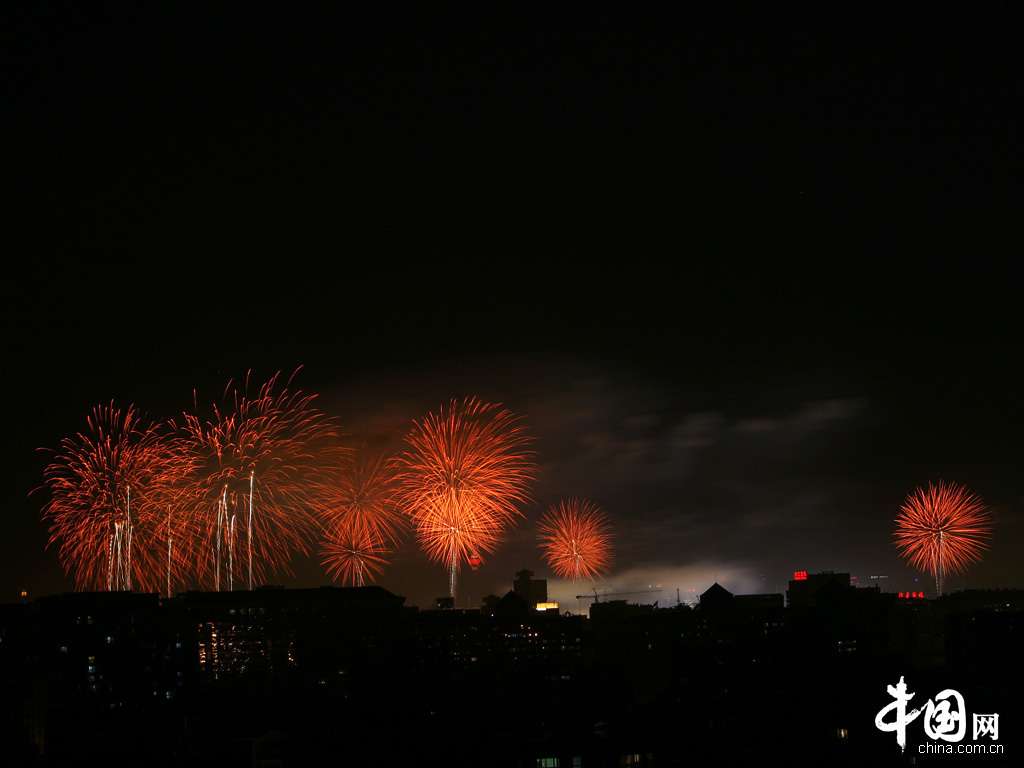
(799,575)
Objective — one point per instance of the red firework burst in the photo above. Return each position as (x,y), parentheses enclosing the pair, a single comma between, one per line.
(354,557)
(942,530)
(110,491)
(463,474)
(361,517)
(257,478)
(576,539)
(362,496)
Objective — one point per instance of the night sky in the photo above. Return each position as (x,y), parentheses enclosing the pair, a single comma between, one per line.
(749,278)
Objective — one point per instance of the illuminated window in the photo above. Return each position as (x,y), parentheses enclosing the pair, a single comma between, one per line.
(547,762)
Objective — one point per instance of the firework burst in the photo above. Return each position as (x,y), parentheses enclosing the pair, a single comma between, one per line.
(360,517)
(354,557)
(110,489)
(465,470)
(576,539)
(942,530)
(257,476)
(362,496)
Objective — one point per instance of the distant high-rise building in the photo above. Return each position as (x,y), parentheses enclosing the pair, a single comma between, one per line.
(532,590)
(804,588)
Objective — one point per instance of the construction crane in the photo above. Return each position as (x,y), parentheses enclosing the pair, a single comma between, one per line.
(597,597)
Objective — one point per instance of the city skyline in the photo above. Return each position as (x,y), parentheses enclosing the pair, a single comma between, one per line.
(705,561)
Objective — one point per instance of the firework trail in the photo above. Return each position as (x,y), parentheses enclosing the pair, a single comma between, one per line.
(465,470)
(110,488)
(576,539)
(942,530)
(361,516)
(255,474)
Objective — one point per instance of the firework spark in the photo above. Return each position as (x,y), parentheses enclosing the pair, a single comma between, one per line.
(576,539)
(463,474)
(110,488)
(942,530)
(256,478)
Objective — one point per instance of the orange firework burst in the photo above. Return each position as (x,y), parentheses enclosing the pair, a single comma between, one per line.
(257,479)
(361,516)
(576,539)
(942,530)
(110,489)
(465,471)
(354,557)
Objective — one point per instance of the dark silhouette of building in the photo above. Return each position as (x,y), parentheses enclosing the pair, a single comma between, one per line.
(804,588)
(532,590)
(326,676)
